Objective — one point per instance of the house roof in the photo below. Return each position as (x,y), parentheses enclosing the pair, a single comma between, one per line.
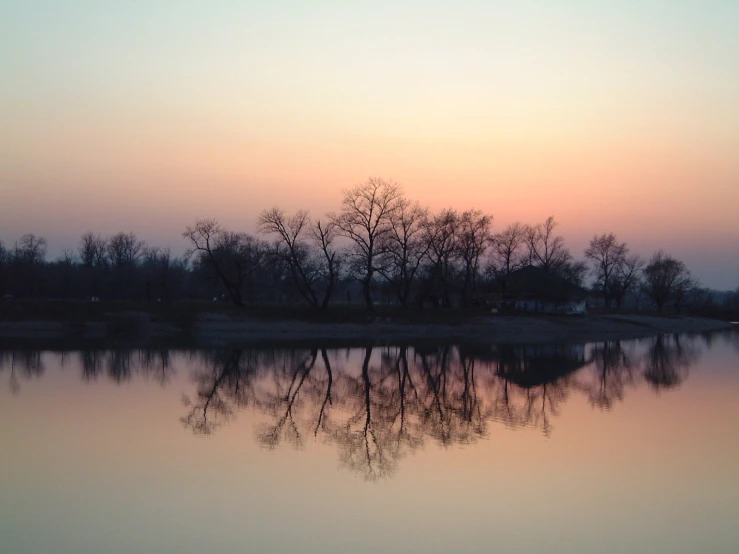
(540,283)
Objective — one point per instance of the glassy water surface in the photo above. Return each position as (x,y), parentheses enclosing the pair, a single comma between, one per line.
(629,446)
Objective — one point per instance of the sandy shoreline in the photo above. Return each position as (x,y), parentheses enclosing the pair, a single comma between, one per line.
(497,329)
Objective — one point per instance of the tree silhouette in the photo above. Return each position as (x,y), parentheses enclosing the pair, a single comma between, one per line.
(545,249)
(626,278)
(508,246)
(473,241)
(441,236)
(665,279)
(365,218)
(608,257)
(233,258)
(306,250)
(403,248)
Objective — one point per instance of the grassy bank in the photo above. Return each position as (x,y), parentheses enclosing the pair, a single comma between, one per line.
(187,312)
(206,324)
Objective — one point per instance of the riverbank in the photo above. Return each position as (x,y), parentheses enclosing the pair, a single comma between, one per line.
(212,330)
(498,329)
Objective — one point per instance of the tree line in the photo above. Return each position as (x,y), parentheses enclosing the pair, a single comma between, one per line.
(378,240)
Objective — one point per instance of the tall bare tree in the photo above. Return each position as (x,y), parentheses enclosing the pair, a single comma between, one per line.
(608,256)
(306,250)
(441,235)
(4,262)
(291,248)
(546,249)
(626,278)
(324,236)
(508,249)
(124,253)
(93,255)
(162,273)
(403,248)
(125,249)
(365,218)
(232,257)
(30,249)
(664,278)
(92,250)
(28,259)
(473,240)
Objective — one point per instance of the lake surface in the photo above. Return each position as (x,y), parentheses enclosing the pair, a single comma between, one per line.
(629,446)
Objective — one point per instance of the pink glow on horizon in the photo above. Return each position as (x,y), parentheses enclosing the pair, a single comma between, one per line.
(620,121)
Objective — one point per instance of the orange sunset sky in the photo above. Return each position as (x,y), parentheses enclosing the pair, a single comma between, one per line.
(612,116)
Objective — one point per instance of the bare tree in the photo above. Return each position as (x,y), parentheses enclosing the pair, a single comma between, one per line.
(291,249)
(687,289)
(546,249)
(93,255)
(608,256)
(4,262)
(63,273)
(311,259)
(441,236)
(403,248)
(125,249)
(365,218)
(473,239)
(92,250)
(664,278)
(161,273)
(124,253)
(626,278)
(507,250)
(30,249)
(232,257)
(28,260)
(324,236)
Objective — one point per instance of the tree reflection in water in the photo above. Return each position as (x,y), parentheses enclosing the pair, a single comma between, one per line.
(668,361)
(541,376)
(19,364)
(613,369)
(389,400)
(378,404)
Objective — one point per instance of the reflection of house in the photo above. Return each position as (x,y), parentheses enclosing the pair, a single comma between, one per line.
(533,289)
(531,366)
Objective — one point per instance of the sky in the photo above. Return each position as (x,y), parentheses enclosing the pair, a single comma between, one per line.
(615,117)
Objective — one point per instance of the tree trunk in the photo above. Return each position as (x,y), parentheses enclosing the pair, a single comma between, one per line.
(367,293)
(235,294)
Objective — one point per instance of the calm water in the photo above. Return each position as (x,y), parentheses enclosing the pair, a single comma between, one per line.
(628,446)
